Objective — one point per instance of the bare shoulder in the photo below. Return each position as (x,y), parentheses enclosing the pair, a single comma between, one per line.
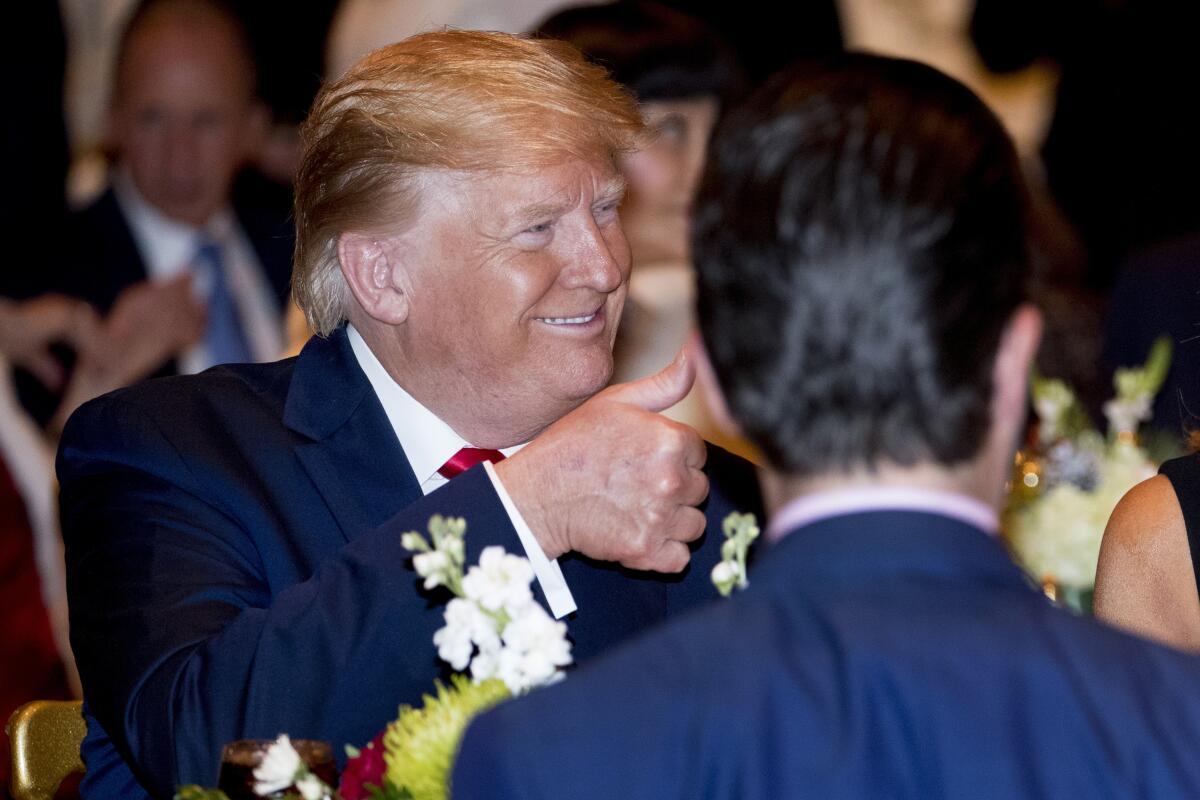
(1145,581)
(1148,518)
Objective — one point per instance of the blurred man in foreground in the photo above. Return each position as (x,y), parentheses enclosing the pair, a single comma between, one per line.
(862,258)
(234,539)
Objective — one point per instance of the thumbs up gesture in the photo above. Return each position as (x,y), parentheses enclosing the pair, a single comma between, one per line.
(614,479)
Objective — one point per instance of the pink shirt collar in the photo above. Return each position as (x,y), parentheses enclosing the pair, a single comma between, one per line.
(810,508)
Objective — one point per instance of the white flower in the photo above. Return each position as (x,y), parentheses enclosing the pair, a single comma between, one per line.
(1057,537)
(535,646)
(278,768)
(432,567)
(312,788)
(726,572)
(453,547)
(485,665)
(726,575)
(466,625)
(1124,415)
(501,581)
(413,542)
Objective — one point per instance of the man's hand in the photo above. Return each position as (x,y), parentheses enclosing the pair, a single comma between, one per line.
(614,479)
(29,328)
(150,322)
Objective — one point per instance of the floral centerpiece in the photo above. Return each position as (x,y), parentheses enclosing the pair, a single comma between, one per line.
(497,632)
(1066,485)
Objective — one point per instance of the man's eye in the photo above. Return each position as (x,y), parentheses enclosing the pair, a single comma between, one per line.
(606,211)
(535,236)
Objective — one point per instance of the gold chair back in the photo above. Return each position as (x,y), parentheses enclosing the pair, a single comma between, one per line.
(45,736)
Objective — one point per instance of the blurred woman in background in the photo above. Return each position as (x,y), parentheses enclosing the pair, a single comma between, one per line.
(682,73)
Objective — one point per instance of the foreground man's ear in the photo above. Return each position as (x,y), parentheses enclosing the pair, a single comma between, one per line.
(1010,375)
(373,268)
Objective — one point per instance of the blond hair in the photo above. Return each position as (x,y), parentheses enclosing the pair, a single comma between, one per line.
(454,100)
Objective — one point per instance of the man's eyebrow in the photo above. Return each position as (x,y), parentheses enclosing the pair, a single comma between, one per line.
(541,211)
(612,189)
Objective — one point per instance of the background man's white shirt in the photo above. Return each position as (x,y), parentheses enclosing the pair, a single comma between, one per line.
(168,248)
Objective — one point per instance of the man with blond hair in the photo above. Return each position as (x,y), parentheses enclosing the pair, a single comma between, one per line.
(233,538)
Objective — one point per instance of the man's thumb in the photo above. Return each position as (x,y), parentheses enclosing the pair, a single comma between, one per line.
(661,390)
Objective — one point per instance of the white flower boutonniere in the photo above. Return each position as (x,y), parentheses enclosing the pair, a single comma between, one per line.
(740,530)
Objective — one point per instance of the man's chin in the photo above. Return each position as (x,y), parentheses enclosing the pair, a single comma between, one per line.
(581,385)
(189,212)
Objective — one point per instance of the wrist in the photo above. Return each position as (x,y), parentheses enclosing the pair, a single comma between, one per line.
(523,490)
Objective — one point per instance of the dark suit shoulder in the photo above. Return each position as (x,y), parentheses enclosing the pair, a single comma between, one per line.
(227,417)
(735,479)
(264,385)
(867,686)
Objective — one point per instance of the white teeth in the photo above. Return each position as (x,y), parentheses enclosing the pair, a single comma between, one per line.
(567,320)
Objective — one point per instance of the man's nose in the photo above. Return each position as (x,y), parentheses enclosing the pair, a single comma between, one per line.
(182,150)
(600,262)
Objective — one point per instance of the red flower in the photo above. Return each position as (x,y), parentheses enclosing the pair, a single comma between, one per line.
(366,767)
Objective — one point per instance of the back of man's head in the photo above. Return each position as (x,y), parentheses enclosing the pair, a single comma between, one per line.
(860,244)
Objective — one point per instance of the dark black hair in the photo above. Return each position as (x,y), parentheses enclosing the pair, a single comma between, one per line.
(860,242)
(656,52)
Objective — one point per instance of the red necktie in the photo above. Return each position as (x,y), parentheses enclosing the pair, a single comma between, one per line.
(466,458)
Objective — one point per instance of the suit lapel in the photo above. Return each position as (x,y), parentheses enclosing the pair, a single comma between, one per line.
(121,264)
(350,450)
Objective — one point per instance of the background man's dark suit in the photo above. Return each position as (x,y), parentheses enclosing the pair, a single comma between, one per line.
(100,259)
(105,259)
(885,654)
(240,574)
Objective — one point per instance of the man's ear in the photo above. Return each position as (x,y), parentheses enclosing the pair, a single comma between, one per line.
(1018,346)
(706,377)
(373,269)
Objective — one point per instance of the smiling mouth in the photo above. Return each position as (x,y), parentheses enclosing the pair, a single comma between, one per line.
(568,320)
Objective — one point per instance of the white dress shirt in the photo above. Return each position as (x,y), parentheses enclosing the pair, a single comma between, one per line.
(168,248)
(428,443)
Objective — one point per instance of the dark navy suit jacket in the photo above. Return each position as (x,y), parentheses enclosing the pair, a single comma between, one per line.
(99,259)
(235,570)
(875,655)
(104,260)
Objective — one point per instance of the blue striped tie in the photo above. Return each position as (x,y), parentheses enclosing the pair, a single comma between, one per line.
(224,336)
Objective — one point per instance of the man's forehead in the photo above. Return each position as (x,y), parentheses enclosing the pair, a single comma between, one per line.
(203,53)
(531,190)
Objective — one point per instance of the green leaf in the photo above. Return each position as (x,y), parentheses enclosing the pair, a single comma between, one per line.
(1157,364)
(193,792)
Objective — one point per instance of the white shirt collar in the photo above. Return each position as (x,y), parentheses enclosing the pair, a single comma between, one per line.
(166,245)
(428,442)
